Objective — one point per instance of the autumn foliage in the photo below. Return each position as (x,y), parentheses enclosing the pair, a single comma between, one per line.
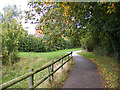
(93,24)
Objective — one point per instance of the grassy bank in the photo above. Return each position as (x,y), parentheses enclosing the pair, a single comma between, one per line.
(108,68)
(30,60)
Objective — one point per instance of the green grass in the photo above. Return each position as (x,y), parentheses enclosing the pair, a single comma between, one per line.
(30,60)
(108,68)
(49,55)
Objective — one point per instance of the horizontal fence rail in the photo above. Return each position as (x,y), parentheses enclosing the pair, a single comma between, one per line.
(32,72)
(50,74)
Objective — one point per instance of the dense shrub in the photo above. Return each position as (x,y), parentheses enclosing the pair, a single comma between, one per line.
(37,44)
(87,43)
(30,44)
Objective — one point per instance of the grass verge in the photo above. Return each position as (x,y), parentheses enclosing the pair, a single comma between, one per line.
(107,67)
(30,60)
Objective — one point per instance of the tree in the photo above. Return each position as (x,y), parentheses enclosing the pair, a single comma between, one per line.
(11,31)
(100,19)
(105,33)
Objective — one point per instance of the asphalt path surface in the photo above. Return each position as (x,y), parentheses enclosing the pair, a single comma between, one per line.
(84,74)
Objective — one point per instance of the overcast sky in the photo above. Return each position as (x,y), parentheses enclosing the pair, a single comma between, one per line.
(21,4)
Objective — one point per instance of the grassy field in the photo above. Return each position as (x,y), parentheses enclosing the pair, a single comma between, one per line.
(108,68)
(30,60)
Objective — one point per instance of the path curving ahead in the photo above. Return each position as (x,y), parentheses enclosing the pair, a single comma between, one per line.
(84,74)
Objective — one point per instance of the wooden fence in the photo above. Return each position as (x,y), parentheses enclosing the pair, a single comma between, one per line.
(31,73)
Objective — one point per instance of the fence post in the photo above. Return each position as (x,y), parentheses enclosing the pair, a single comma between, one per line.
(52,69)
(67,57)
(62,62)
(48,74)
(31,79)
(71,55)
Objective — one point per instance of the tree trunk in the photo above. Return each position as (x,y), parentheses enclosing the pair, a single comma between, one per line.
(118,57)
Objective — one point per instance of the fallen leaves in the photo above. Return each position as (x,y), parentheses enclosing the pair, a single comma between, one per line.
(107,68)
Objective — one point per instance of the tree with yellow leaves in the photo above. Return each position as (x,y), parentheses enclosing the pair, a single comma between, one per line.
(11,31)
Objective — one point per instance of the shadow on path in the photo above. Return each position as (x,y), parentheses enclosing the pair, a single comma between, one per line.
(84,74)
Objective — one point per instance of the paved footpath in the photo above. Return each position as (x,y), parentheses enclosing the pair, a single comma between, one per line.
(84,74)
